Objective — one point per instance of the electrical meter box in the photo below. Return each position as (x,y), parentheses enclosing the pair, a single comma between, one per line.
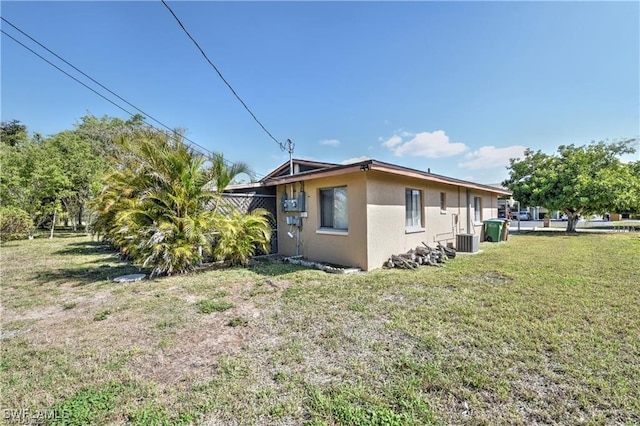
(295,204)
(290,205)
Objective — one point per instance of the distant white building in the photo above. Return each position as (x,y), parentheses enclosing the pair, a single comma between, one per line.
(508,208)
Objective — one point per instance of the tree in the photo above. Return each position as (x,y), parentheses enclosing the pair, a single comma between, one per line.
(13,133)
(33,180)
(578,180)
(47,177)
(222,175)
(82,167)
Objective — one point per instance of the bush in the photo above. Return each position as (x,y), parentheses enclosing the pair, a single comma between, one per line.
(240,235)
(15,223)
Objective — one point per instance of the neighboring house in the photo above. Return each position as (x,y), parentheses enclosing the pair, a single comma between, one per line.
(359,214)
(508,208)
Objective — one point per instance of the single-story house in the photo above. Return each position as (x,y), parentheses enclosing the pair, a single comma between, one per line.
(359,214)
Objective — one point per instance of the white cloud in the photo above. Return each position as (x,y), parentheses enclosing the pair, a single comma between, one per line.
(424,144)
(355,159)
(392,141)
(330,142)
(488,157)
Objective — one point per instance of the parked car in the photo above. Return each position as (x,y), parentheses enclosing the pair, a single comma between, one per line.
(525,215)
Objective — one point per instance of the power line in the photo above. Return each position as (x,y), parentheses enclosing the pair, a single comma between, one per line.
(101,85)
(282,146)
(66,73)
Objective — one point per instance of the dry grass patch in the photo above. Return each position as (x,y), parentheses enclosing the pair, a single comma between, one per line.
(540,330)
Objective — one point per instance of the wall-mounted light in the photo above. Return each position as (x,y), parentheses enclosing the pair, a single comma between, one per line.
(364,167)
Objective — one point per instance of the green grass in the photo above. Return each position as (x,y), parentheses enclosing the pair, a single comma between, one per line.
(542,329)
(207,306)
(238,322)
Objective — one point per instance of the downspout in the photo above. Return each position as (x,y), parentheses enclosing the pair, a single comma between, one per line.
(458,210)
(469,211)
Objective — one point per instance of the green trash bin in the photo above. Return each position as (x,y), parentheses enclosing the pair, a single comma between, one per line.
(493,230)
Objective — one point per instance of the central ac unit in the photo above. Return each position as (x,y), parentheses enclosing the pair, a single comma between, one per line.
(467,243)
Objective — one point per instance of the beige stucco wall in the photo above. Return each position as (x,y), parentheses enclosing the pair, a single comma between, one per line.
(343,248)
(376,203)
(386,231)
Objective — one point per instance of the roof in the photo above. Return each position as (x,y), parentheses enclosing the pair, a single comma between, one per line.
(318,170)
(302,164)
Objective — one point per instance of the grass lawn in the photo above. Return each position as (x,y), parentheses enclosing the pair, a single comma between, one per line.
(543,329)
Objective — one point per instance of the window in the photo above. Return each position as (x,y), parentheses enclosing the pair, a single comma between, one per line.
(333,208)
(443,202)
(413,208)
(477,209)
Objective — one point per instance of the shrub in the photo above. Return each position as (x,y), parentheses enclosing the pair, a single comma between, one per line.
(15,223)
(240,235)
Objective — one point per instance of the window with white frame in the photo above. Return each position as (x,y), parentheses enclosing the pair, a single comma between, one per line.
(477,209)
(334,211)
(413,208)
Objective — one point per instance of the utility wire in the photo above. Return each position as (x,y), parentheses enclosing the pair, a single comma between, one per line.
(99,84)
(66,73)
(282,146)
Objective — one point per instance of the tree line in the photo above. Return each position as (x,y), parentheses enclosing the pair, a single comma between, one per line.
(140,189)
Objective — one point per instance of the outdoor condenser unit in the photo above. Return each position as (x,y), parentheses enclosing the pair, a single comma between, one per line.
(467,243)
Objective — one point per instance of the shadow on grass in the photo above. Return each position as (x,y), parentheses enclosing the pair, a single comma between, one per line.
(86,275)
(42,234)
(87,247)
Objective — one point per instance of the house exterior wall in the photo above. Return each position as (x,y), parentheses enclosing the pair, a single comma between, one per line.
(343,248)
(376,204)
(386,231)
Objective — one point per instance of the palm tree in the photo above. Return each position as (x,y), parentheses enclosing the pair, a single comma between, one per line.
(153,205)
(222,174)
(156,206)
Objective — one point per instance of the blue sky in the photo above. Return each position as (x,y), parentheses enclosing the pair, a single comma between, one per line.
(456,87)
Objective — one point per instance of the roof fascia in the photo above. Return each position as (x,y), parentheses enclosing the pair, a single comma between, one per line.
(392,168)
